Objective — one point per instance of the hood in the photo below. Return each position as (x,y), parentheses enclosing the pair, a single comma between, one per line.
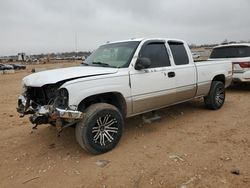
(53,76)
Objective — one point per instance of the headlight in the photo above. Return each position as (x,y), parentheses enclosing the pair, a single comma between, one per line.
(24,88)
(62,98)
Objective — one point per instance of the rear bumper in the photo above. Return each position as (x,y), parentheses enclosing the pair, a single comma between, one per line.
(241,77)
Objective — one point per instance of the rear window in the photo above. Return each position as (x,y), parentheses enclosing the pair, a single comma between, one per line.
(179,53)
(231,52)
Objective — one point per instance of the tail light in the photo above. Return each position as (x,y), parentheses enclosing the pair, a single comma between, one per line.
(244,64)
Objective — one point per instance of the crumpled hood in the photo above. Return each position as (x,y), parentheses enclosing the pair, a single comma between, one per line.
(53,76)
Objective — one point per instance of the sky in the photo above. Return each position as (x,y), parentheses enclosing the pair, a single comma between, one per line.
(46,26)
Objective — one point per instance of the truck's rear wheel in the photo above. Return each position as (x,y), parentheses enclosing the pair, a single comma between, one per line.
(216,96)
(101,128)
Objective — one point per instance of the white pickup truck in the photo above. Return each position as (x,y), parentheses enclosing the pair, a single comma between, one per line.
(119,80)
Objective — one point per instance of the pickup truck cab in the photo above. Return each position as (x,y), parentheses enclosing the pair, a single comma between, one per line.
(239,54)
(119,80)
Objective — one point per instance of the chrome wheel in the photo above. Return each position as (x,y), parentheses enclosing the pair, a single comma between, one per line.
(105,130)
(220,96)
(101,128)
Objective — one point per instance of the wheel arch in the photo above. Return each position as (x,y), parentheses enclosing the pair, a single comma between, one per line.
(219,77)
(113,98)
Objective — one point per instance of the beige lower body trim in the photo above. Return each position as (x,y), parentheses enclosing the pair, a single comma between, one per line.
(129,107)
(203,88)
(149,102)
(185,93)
(153,100)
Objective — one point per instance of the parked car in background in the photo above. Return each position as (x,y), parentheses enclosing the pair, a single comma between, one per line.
(195,55)
(18,66)
(6,67)
(239,54)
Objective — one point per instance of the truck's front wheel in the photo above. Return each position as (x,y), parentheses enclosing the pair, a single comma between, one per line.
(216,96)
(101,128)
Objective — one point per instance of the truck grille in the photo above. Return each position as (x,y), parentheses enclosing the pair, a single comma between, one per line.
(37,95)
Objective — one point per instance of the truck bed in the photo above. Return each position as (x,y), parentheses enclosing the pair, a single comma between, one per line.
(207,70)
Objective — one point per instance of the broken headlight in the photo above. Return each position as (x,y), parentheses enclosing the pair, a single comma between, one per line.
(62,98)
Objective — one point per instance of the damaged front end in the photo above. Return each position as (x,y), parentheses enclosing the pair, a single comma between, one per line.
(48,104)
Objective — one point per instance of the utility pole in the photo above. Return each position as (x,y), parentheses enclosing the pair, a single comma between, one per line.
(76,42)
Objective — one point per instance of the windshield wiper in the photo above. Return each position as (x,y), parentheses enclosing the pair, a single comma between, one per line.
(102,64)
(86,64)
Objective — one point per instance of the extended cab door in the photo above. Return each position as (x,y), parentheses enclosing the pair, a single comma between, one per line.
(185,71)
(153,87)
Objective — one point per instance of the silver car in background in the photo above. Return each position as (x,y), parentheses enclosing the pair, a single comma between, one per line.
(6,67)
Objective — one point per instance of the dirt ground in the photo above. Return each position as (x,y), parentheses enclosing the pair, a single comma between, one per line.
(189,147)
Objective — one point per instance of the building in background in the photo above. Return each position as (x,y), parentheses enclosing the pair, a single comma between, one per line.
(21,57)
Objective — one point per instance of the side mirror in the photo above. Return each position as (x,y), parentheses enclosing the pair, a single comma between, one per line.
(142,63)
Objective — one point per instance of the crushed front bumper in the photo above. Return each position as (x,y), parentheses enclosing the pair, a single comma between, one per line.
(68,114)
(47,113)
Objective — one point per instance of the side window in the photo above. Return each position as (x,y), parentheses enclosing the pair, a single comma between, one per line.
(179,53)
(157,53)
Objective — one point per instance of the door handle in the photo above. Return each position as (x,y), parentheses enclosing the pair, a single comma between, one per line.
(171,74)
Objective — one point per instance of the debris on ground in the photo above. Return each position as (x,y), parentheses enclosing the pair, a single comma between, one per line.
(225,158)
(30,179)
(67,157)
(191,180)
(246,179)
(77,172)
(176,158)
(149,120)
(102,163)
(235,171)
(223,181)
(51,146)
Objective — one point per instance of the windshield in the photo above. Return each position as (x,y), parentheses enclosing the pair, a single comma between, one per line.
(116,55)
(231,52)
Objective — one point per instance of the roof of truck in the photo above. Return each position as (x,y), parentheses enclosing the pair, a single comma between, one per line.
(234,44)
(141,39)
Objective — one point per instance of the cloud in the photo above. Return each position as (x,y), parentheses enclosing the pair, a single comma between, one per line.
(50,26)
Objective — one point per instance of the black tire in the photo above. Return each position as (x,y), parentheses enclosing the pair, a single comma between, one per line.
(101,128)
(216,96)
